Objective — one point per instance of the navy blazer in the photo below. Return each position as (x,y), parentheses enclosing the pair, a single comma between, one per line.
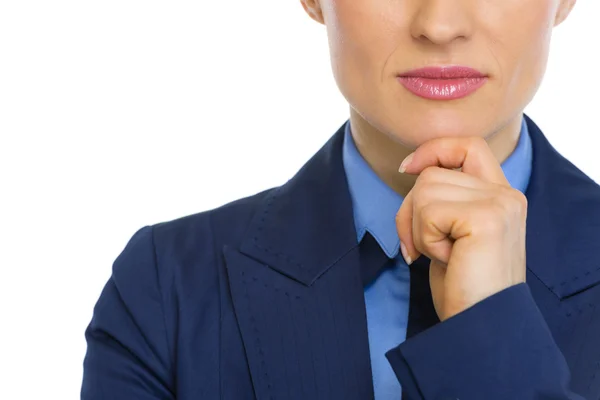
(263,299)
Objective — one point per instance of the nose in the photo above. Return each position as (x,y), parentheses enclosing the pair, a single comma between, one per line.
(442,21)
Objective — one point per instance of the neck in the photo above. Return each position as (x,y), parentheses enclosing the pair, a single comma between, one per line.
(384,154)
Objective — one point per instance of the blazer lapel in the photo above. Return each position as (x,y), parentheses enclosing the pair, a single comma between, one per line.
(563,221)
(297,278)
(297,288)
(562,236)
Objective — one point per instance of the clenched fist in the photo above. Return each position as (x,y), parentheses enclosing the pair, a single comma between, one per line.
(469,222)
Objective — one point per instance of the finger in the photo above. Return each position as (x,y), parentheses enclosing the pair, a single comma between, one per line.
(423,194)
(404,227)
(438,225)
(437,276)
(473,155)
(443,175)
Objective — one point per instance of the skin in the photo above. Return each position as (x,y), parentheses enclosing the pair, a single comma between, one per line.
(459,210)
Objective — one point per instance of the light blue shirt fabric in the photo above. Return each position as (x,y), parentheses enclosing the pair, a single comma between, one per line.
(387,298)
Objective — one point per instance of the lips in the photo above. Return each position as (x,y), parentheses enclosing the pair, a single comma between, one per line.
(443,83)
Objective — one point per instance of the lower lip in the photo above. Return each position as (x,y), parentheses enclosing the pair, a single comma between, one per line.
(442,89)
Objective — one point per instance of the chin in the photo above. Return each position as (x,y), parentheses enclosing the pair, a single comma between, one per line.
(414,129)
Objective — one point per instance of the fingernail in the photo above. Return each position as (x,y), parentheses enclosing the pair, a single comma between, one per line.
(405,254)
(405,163)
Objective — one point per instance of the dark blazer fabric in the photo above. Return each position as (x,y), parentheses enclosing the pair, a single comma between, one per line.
(263,298)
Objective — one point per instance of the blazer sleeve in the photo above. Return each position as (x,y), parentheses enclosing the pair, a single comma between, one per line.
(127,348)
(501,348)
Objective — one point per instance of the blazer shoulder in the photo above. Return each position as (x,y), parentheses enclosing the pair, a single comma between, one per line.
(195,240)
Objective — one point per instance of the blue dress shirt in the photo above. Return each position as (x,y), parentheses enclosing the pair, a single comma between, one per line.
(375,205)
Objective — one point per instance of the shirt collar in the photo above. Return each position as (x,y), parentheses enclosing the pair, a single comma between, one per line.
(375,204)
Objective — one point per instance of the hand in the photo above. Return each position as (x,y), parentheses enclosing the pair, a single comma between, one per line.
(470,223)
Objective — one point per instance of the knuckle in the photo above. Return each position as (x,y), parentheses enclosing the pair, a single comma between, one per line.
(500,214)
(491,228)
(429,174)
(521,200)
(427,214)
(428,223)
(478,143)
(513,201)
(492,220)
(425,194)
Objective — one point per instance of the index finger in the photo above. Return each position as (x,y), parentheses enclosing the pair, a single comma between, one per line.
(473,155)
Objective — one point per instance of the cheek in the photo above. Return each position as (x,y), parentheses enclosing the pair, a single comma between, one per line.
(520,42)
(360,32)
(362,36)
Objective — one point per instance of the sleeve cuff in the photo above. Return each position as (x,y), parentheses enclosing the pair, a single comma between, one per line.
(498,349)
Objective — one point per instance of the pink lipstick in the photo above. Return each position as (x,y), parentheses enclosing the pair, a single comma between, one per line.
(442,83)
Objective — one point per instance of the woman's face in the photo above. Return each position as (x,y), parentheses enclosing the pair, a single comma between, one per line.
(373,41)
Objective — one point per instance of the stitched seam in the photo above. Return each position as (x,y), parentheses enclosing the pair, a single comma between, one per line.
(551,288)
(261,353)
(562,284)
(576,277)
(260,228)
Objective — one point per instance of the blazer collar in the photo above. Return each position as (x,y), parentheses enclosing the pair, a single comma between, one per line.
(305,226)
(563,220)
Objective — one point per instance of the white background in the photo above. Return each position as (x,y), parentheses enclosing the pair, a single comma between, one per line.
(119,114)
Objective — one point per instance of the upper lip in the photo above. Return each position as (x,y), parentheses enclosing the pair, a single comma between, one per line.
(444,72)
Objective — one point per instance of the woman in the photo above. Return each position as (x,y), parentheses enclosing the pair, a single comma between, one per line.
(468,271)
